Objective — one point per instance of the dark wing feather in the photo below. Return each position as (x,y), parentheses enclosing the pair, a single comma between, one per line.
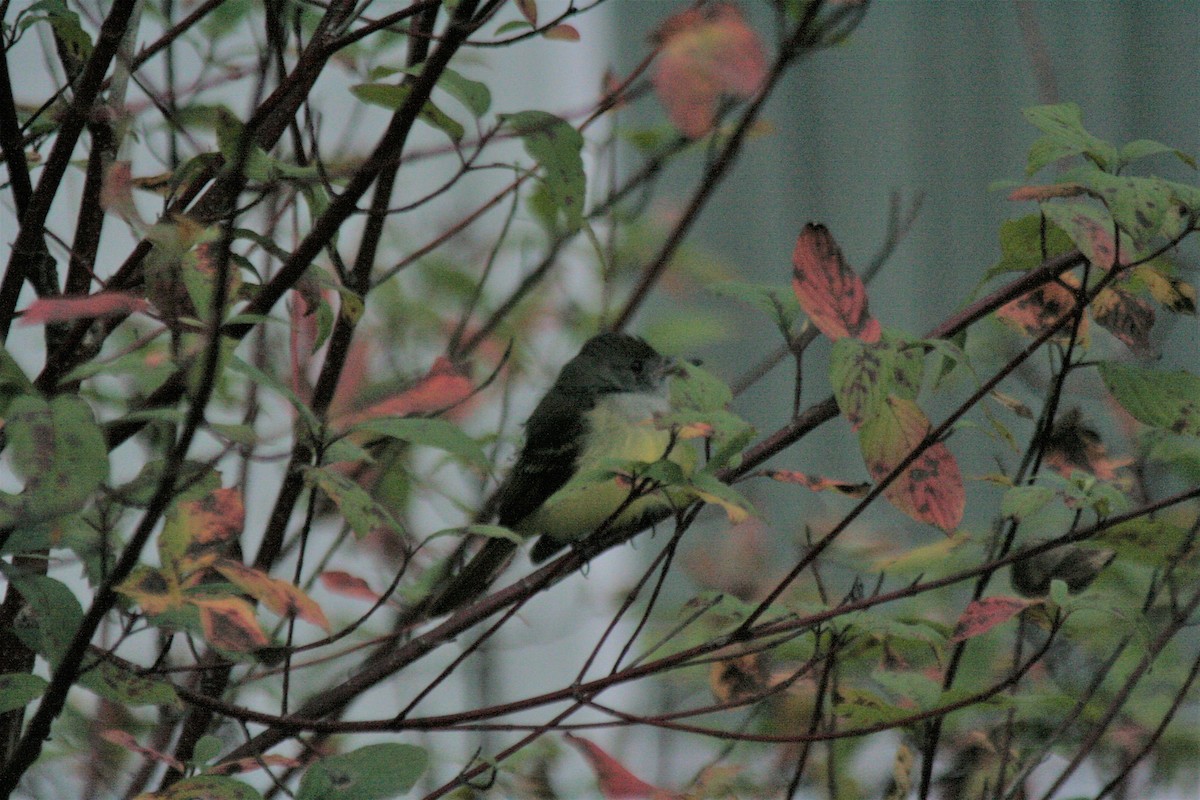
(553,438)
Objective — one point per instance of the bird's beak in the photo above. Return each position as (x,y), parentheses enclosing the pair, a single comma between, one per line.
(673,367)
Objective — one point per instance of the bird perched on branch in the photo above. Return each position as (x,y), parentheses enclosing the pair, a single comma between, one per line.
(602,409)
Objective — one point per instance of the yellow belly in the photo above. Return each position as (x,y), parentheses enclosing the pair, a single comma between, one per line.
(581,506)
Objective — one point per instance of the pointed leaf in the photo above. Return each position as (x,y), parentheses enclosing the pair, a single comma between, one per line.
(229,624)
(557,147)
(1166,400)
(931,488)
(281,597)
(361,512)
(819,484)
(348,585)
(374,772)
(983,615)
(864,374)
(829,291)
(616,782)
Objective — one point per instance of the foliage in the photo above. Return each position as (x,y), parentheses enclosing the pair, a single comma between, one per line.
(257,441)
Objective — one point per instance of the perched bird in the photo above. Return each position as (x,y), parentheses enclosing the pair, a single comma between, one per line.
(602,407)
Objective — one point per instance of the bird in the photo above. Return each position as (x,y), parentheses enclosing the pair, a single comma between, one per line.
(602,407)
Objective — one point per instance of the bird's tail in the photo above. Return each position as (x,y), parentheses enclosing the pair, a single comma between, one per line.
(472,580)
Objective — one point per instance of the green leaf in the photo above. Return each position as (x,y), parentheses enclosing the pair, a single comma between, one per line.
(1021,244)
(1021,502)
(1144,148)
(18,690)
(1064,136)
(261,378)
(1181,456)
(557,147)
(113,683)
(52,614)
(208,787)
(1165,400)
(392,96)
(13,381)
(1090,227)
(374,772)
(513,25)
(207,749)
(1139,205)
(865,374)
(778,303)
(61,453)
(361,512)
(699,390)
(475,96)
(436,433)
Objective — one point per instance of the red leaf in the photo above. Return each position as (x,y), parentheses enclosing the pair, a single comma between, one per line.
(116,194)
(281,597)
(348,585)
(829,291)
(983,615)
(126,742)
(529,10)
(562,33)
(706,53)
(819,484)
(931,487)
(101,304)
(444,386)
(616,782)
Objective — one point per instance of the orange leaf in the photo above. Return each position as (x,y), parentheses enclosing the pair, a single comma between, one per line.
(442,387)
(253,763)
(819,484)
(1046,192)
(348,585)
(229,623)
(616,782)
(706,53)
(280,596)
(562,33)
(529,10)
(983,615)
(216,518)
(829,291)
(101,304)
(931,488)
(1126,317)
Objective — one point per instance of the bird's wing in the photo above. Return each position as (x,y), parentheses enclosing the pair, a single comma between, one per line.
(553,438)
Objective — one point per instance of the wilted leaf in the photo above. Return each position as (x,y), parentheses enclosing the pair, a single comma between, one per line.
(616,782)
(982,615)
(741,678)
(1046,192)
(229,624)
(1033,313)
(204,525)
(1174,294)
(819,484)
(116,195)
(1126,317)
(829,291)
(1091,228)
(1072,444)
(931,488)
(281,597)
(155,591)
(706,53)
